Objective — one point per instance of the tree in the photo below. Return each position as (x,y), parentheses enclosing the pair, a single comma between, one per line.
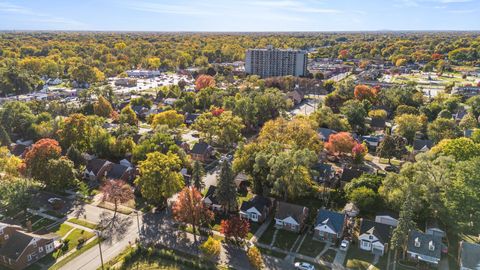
(224,130)
(16,118)
(355,113)
(211,248)
(405,109)
(4,137)
(75,156)
(255,258)
(460,148)
(38,157)
(142,101)
(158,142)
(235,227)
(102,107)
(60,174)
(468,122)
(378,114)
(362,92)
(189,208)
(325,118)
(405,225)
(364,197)
(204,81)
(16,193)
(170,118)
(359,151)
(197,174)
(128,116)
(340,143)
(474,103)
(116,191)
(442,128)
(226,192)
(392,147)
(159,177)
(75,130)
(9,164)
(408,125)
(84,74)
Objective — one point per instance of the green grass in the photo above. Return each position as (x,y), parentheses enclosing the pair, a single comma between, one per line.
(121,209)
(272,253)
(285,239)
(40,224)
(329,256)
(393,161)
(62,229)
(311,247)
(74,255)
(267,236)
(83,223)
(358,259)
(74,240)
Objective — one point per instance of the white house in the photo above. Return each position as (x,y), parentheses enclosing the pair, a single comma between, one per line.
(210,199)
(290,217)
(256,209)
(374,237)
(387,218)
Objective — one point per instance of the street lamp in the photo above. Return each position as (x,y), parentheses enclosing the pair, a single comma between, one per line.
(100,246)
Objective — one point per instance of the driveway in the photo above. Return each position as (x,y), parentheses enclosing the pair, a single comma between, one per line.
(339,259)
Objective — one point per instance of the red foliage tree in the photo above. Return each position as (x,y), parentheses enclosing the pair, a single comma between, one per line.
(343,54)
(38,156)
(340,143)
(436,56)
(204,81)
(217,111)
(478,84)
(235,227)
(362,92)
(358,152)
(189,208)
(116,191)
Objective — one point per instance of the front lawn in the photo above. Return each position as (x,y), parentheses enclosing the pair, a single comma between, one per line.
(83,223)
(311,247)
(272,253)
(267,236)
(329,256)
(358,259)
(42,223)
(285,239)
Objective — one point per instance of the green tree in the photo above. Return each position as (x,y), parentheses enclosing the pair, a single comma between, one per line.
(75,130)
(405,225)
(159,177)
(443,128)
(365,198)
(170,118)
(197,174)
(392,147)
(355,113)
(4,137)
(128,116)
(460,148)
(16,118)
(16,193)
(226,192)
(224,129)
(61,174)
(103,107)
(408,125)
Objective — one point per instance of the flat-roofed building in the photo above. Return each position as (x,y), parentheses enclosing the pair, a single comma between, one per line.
(272,62)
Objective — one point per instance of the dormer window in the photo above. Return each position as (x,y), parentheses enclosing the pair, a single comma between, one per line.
(370,237)
(431,246)
(417,242)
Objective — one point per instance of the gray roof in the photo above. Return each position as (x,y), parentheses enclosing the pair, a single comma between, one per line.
(259,202)
(382,231)
(211,194)
(470,255)
(333,220)
(200,148)
(117,171)
(295,211)
(18,242)
(95,165)
(419,144)
(425,240)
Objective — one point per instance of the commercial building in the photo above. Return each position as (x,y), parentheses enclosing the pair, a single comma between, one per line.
(272,62)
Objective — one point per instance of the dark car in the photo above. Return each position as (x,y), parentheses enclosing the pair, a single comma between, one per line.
(391,168)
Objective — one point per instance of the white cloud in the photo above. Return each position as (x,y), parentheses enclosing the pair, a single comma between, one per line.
(167,8)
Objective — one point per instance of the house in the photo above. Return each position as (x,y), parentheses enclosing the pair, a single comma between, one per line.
(374,237)
(169,101)
(322,172)
(257,208)
(378,123)
(434,227)
(210,199)
(121,172)
(350,174)
(469,256)
(329,225)
(351,210)
(371,141)
(387,218)
(296,97)
(190,118)
(242,182)
(126,82)
(290,217)
(424,247)
(325,133)
(184,145)
(422,146)
(96,169)
(19,249)
(201,151)
(140,111)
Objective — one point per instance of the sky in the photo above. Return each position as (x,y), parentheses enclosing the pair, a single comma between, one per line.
(239,15)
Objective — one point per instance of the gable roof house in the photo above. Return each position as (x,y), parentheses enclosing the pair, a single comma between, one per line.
(96,169)
(210,199)
(121,172)
(322,172)
(19,249)
(422,146)
(201,151)
(424,247)
(190,118)
(350,174)
(290,217)
(257,208)
(374,237)
(325,133)
(469,256)
(387,218)
(378,124)
(329,225)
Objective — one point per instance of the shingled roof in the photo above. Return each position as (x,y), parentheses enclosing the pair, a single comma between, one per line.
(381,231)
(331,219)
(295,211)
(259,202)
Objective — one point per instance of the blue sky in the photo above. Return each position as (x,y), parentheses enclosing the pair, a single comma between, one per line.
(239,15)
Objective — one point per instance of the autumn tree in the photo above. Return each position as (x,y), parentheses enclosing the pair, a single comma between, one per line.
(211,247)
(359,151)
(38,157)
(392,147)
(408,125)
(116,191)
(255,258)
(340,143)
(102,107)
(362,92)
(226,192)
(189,208)
(159,177)
(197,174)
(235,227)
(60,174)
(75,130)
(204,81)
(128,116)
(170,118)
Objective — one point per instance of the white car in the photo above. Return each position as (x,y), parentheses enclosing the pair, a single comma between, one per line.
(304,266)
(344,245)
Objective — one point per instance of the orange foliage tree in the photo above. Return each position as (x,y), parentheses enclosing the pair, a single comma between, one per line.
(341,143)
(362,92)
(37,157)
(116,191)
(189,208)
(204,81)
(436,56)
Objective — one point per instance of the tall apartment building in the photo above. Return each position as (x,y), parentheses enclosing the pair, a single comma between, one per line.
(272,62)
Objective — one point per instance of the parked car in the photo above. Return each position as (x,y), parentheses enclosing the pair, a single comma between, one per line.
(391,168)
(344,245)
(304,266)
(56,203)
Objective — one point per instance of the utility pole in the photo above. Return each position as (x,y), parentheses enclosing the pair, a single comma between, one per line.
(100,246)
(138,225)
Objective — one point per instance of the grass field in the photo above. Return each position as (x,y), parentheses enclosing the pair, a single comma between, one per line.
(83,223)
(311,247)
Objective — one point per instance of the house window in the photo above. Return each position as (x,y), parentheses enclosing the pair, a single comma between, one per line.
(254,216)
(366,244)
(40,249)
(417,242)
(6,236)
(29,257)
